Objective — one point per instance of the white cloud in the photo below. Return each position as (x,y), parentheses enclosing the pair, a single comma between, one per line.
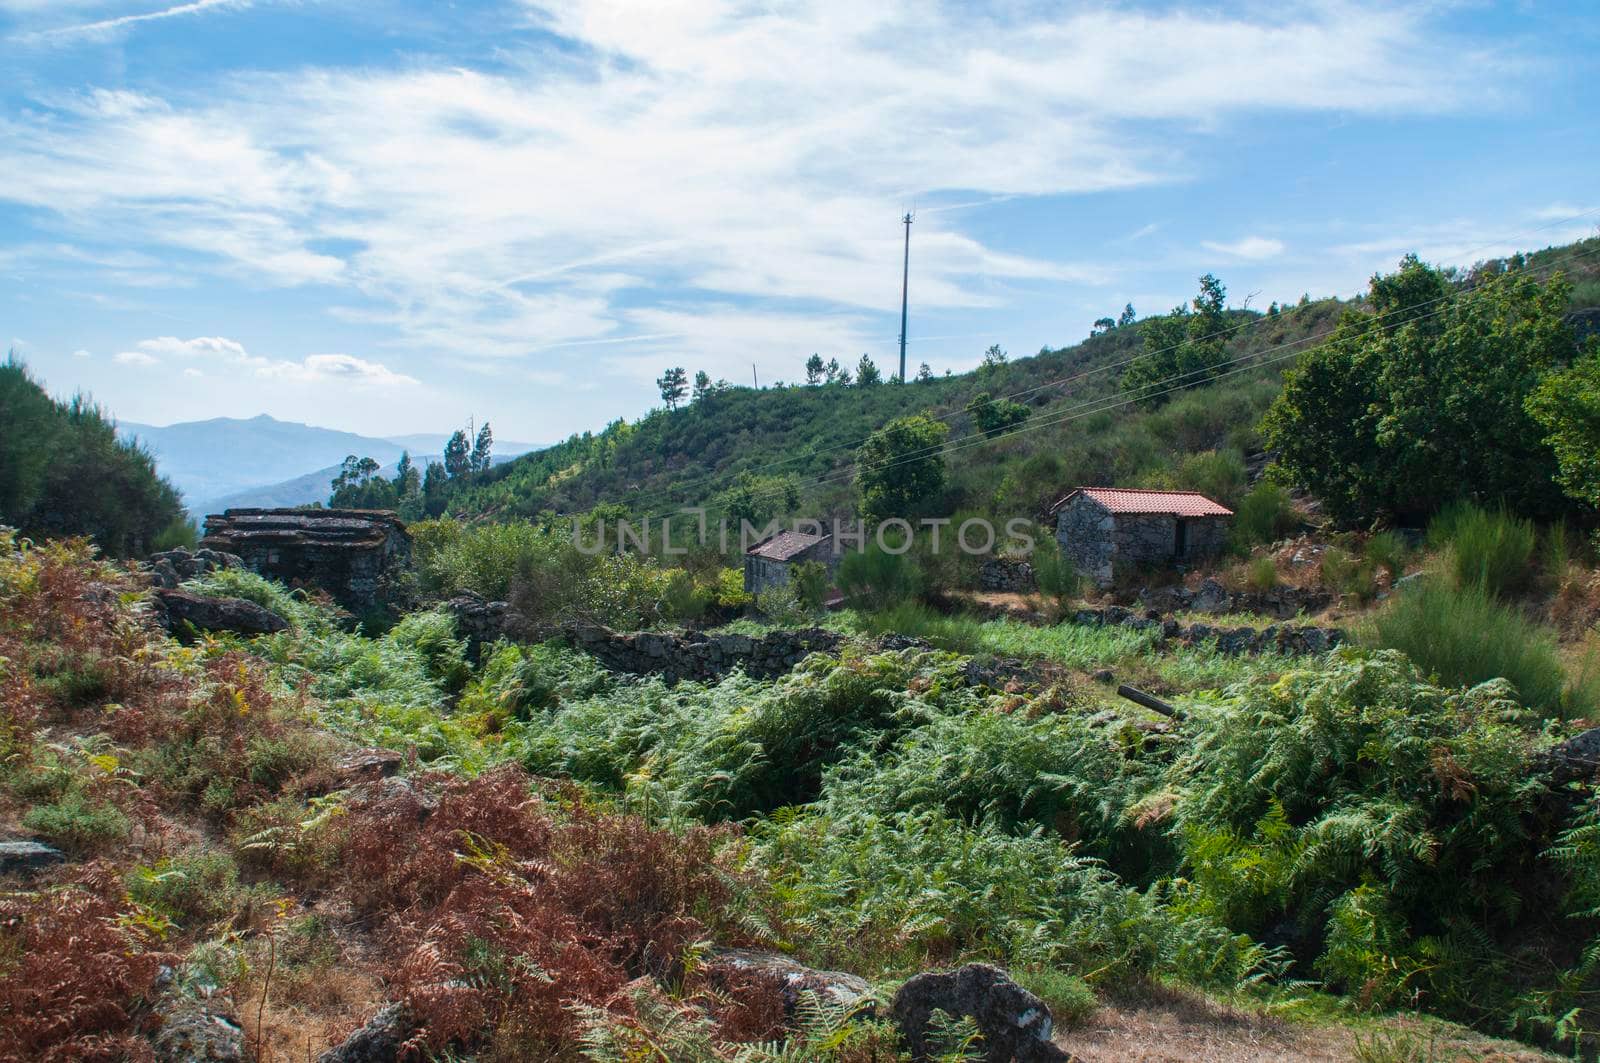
(343,368)
(696,167)
(80,353)
(221,351)
(1254,248)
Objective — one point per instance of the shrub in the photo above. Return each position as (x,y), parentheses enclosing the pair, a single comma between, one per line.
(1218,474)
(193,890)
(1262,575)
(1386,550)
(1265,515)
(683,599)
(1344,573)
(1463,636)
(810,582)
(1053,571)
(1489,548)
(1069,998)
(730,589)
(876,579)
(77,821)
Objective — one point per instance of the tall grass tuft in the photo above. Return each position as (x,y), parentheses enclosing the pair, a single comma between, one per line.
(1264,515)
(1462,635)
(1489,548)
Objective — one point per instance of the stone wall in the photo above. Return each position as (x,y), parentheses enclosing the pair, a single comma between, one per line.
(1286,639)
(1086,531)
(1006,574)
(675,655)
(353,554)
(695,655)
(171,567)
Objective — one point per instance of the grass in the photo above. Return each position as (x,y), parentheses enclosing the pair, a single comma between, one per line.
(1492,549)
(1464,636)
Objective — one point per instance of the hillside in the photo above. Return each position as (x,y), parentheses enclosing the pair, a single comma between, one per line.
(1081,431)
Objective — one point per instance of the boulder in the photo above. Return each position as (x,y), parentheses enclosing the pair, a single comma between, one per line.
(1576,758)
(199,1031)
(1015,1024)
(794,979)
(215,614)
(26,857)
(378,1041)
(1211,598)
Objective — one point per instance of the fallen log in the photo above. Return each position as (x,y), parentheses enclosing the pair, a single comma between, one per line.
(1149,701)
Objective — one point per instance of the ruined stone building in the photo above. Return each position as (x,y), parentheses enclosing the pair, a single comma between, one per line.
(1110,530)
(767,563)
(350,553)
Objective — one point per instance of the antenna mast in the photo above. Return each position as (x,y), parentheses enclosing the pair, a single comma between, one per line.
(905,278)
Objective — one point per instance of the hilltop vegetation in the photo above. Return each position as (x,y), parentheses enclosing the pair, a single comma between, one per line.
(64,472)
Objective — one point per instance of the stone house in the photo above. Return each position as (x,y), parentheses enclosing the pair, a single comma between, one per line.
(766,564)
(1110,530)
(350,553)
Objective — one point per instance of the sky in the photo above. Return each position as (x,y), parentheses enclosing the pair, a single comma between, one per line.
(392,217)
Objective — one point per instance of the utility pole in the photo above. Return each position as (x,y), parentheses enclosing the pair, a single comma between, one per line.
(905,278)
(753,378)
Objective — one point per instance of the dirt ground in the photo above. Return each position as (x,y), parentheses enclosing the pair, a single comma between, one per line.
(1165,1026)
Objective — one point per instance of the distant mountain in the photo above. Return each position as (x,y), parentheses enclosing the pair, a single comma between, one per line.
(216,461)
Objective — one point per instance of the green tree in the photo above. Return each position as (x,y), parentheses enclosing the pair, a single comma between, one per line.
(901,466)
(758,499)
(406,477)
(993,359)
(1102,325)
(1423,401)
(1127,317)
(64,472)
(702,386)
(457,455)
(435,489)
(482,457)
(1184,349)
(867,374)
(833,371)
(815,370)
(924,373)
(1566,404)
(995,417)
(674,385)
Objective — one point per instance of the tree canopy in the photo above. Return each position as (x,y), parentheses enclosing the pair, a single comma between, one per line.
(63,471)
(901,466)
(1422,400)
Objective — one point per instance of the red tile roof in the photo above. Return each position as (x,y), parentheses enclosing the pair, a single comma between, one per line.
(1132,500)
(785,545)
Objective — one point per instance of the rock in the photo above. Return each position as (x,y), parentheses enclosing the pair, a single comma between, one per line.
(175,608)
(25,857)
(1015,1024)
(171,567)
(358,768)
(199,1031)
(378,1041)
(795,979)
(1211,598)
(1576,758)
(1104,675)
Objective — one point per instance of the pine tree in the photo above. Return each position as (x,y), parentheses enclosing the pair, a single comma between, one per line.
(702,386)
(815,370)
(924,373)
(674,385)
(457,455)
(481,458)
(867,374)
(1127,317)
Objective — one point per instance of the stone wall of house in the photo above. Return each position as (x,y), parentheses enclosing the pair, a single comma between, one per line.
(1006,574)
(1086,531)
(1103,544)
(353,554)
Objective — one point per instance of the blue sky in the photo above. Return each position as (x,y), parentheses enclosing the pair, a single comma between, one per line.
(390,217)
